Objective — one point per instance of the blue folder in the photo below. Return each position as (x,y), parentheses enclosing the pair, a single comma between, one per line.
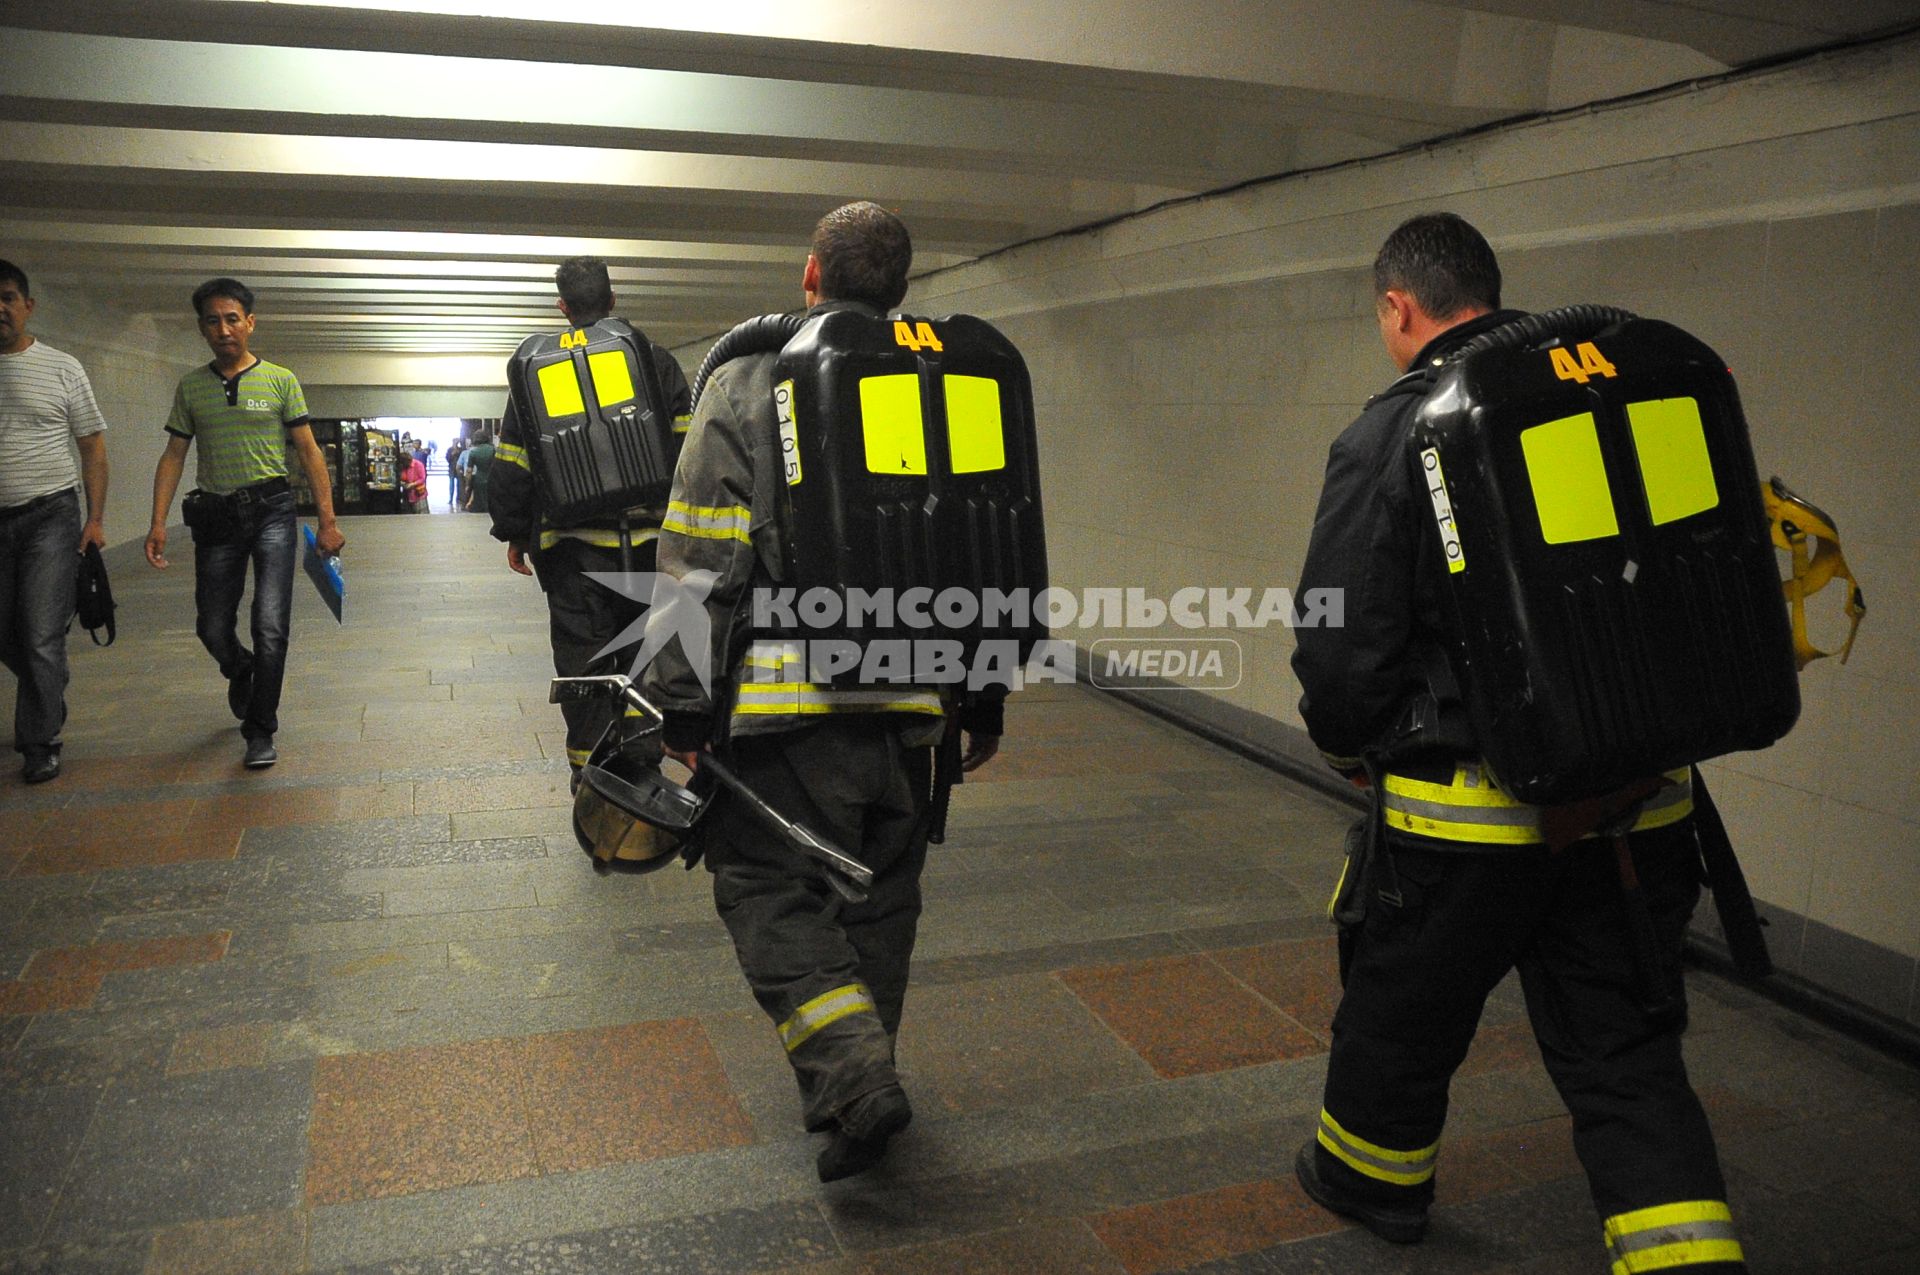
(325,574)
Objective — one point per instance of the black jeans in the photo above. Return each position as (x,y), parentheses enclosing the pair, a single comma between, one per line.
(266,537)
(38,563)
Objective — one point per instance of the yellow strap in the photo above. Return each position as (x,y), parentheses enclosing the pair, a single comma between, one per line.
(1795,522)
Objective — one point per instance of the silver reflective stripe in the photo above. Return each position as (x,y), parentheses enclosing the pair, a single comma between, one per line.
(823,1010)
(1504,816)
(1622,1247)
(1401,1168)
(708,522)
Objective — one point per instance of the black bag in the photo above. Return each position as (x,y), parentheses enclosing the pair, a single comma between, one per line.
(211,518)
(93,596)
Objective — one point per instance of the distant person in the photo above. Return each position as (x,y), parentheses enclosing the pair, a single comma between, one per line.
(477,464)
(244,412)
(413,484)
(455,450)
(45,399)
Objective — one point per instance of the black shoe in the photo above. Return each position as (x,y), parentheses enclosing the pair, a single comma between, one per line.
(865,1127)
(41,768)
(240,692)
(1403,1225)
(260,753)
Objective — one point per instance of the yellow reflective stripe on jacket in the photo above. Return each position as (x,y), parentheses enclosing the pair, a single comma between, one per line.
(681,424)
(512,455)
(800,698)
(1687,1233)
(708,522)
(1473,809)
(771,657)
(1402,1168)
(825,1009)
(597,536)
(578,756)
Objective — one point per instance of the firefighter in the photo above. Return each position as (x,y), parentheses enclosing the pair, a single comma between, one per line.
(853,763)
(583,615)
(1462,887)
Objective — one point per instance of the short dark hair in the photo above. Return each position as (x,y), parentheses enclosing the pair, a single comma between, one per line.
(10,273)
(232,289)
(864,253)
(585,287)
(1443,261)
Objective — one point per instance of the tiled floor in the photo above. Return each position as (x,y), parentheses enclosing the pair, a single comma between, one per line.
(372,1011)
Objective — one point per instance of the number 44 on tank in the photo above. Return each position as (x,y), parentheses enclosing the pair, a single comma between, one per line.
(1591,363)
(915,336)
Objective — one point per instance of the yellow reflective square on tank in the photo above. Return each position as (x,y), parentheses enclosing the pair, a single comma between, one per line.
(1675,469)
(1569,480)
(560,390)
(612,380)
(976,439)
(890,422)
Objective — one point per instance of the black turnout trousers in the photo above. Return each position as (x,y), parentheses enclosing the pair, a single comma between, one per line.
(831,975)
(1419,978)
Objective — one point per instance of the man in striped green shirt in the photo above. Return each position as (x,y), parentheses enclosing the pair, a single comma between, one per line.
(243,412)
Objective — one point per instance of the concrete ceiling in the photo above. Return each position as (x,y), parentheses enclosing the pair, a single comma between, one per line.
(395,176)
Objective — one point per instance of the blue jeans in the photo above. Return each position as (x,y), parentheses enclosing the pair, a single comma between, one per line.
(39,560)
(268,530)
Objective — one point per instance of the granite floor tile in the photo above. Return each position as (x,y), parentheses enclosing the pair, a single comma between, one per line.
(1185,1015)
(258,1244)
(48,995)
(638,1092)
(1171,1235)
(43,1130)
(105,958)
(1300,978)
(123,1255)
(417,1120)
(1006,1041)
(176,1149)
(121,1059)
(729,1242)
(1052,1248)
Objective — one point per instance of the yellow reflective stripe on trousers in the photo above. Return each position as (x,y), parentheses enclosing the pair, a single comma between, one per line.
(681,424)
(579,756)
(708,522)
(1472,808)
(823,1010)
(1402,1168)
(511,454)
(599,537)
(1687,1233)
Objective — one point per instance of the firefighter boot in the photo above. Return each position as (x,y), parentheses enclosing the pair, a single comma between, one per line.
(1402,1224)
(865,1125)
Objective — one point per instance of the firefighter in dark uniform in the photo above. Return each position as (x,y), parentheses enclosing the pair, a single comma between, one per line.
(584,615)
(1461,888)
(852,763)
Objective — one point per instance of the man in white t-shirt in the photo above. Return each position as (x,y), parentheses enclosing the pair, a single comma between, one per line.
(45,400)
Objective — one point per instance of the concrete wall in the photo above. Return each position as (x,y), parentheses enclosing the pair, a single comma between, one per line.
(356,385)
(133,366)
(1191,366)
